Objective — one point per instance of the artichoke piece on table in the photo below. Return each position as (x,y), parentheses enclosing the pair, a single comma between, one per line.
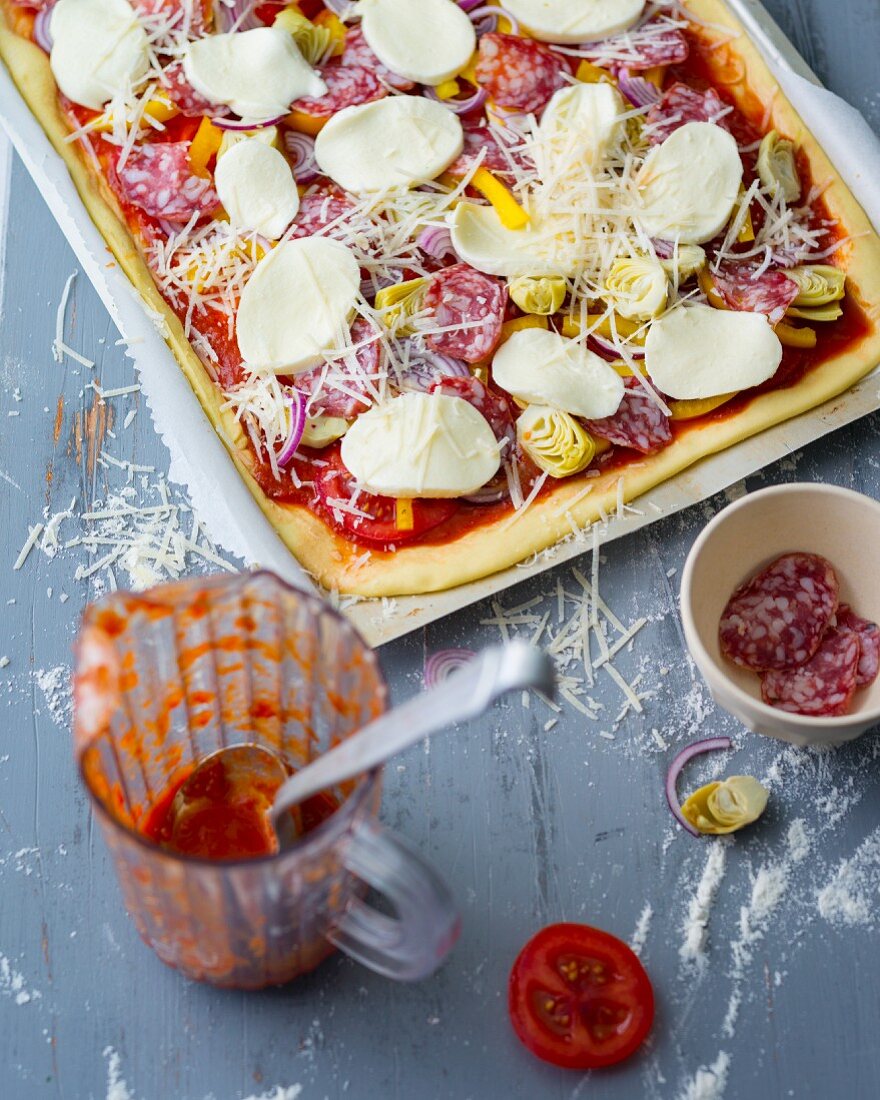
(637,287)
(554,441)
(539,295)
(777,168)
(723,807)
(818,285)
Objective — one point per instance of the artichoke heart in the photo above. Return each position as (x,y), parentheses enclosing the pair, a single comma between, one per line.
(540,295)
(777,168)
(818,285)
(554,441)
(313,41)
(831,312)
(399,303)
(688,260)
(637,288)
(321,431)
(724,807)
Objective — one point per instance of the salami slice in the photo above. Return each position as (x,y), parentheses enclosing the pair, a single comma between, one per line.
(770,293)
(318,209)
(158,179)
(869,643)
(824,686)
(184,96)
(461,296)
(357,54)
(652,45)
(518,72)
(493,406)
(347,86)
(775,621)
(477,137)
(639,422)
(348,386)
(681,104)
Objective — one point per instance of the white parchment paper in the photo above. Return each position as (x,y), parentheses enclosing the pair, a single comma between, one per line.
(199,460)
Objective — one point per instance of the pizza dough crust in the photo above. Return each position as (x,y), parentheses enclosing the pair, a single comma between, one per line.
(338,564)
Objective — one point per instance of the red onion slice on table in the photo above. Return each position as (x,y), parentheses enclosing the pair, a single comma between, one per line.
(442,664)
(712,744)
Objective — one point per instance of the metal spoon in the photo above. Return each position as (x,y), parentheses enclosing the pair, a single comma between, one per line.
(465,694)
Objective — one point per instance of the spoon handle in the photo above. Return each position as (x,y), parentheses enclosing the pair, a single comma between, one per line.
(464,695)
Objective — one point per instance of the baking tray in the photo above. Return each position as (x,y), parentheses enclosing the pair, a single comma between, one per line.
(199,459)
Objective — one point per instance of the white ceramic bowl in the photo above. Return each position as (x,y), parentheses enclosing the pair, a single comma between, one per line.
(843,527)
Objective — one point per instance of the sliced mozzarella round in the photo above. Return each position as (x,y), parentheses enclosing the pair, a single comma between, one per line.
(696,351)
(544,368)
(581,120)
(571,21)
(98,47)
(256,186)
(546,246)
(688,185)
(400,141)
(422,445)
(297,304)
(428,41)
(257,73)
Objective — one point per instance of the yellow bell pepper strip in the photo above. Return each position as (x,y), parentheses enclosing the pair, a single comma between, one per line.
(305,123)
(588,73)
(707,285)
(204,146)
(336,28)
(159,108)
(792,337)
(531,320)
(509,211)
(747,230)
(657,75)
(449,89)
(700,406)
(571,328)
(404,514)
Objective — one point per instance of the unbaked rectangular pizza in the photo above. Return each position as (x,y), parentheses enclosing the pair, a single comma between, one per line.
(451,280)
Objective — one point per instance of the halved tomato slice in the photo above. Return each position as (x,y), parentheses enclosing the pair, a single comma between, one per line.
(374,519)
(579,998)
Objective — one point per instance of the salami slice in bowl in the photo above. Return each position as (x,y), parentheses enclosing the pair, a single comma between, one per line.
(869,642)
(470,305)
(776,620)
(824,686)
(639,422)
(159,179)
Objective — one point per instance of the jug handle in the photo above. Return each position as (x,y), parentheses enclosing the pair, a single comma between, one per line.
(413,944)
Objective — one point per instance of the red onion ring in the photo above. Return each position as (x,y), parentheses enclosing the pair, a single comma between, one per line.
(442,664)
(237,126)
(469,5)
(42,33)
(301,150)
(608,351)
(239,14)
(710,745)
(485,19)
(339,8)
(425,367)
(639,91)
(437,242)
(297,426)
(459,106)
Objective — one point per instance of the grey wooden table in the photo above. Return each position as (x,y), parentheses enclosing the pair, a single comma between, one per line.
(529,824)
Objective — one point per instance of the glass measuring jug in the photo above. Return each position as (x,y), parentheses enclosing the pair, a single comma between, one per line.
(162,679)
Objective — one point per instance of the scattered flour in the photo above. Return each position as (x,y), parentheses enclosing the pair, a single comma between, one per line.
(709,1082)
(798,840)
(643,927)
(696,925)
(850,897)
(291,1092)
(55,686)
(116,1086)
(12,984)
